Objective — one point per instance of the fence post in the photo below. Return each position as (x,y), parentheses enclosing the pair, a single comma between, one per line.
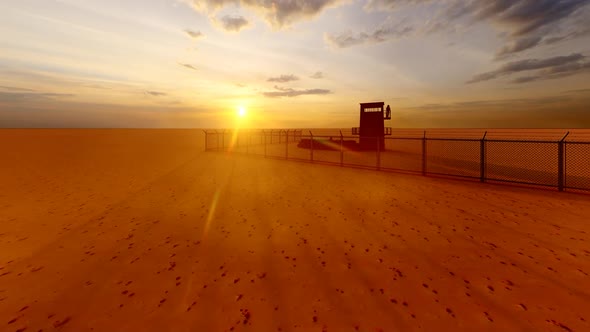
(223,140)
(311,146)
(206,139)
(378,153)
(424,153)
(482,158)
(561,162)
(218,140)
(287,144)
(341,149)
(264,136)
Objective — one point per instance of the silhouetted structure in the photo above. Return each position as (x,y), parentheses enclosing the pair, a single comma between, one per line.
(372,129)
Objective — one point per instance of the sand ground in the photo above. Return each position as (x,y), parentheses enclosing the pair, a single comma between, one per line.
(140,230)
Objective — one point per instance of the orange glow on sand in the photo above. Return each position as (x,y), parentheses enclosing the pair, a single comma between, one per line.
(206,241)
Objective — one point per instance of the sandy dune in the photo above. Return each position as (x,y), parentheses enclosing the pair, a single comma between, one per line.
(140,230)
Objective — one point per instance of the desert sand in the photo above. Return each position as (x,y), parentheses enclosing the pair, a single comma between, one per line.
(141,230)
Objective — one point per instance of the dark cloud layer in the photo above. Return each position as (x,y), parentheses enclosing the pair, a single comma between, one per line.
(233,23)
(525,23)
(524,16)
(288,92)
(283,78)
(549,68)
(528,22)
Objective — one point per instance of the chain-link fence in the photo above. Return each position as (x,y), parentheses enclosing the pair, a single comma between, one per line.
(576,168)
(558,163)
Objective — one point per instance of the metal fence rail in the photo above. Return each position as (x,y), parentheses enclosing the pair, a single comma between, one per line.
(551,163)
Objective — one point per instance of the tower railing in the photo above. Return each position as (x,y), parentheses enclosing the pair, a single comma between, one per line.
(386,131)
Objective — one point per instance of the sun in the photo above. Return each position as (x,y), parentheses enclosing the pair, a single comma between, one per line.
(242,112)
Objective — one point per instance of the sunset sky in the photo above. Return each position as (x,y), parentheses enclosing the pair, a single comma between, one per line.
(294,63)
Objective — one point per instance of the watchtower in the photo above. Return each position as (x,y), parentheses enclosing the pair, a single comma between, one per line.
(372,128)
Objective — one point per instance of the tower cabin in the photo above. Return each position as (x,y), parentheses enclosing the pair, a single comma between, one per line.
(372,130)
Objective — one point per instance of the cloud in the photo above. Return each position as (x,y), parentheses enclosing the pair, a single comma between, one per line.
(283,13)
(189,66)
(28,96)
(525,16)
(575,30)
(283,79)
(211,5)
(549,68)
(288,92)
(194,34)
(518,45)
(278,14)
(525,24)
(382,34)
(528,22)
(317,75)
(11,88)
(557,111)
(234,23)
(381,5)
(155,93)
(584,91)
(525,79)
(494,104)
